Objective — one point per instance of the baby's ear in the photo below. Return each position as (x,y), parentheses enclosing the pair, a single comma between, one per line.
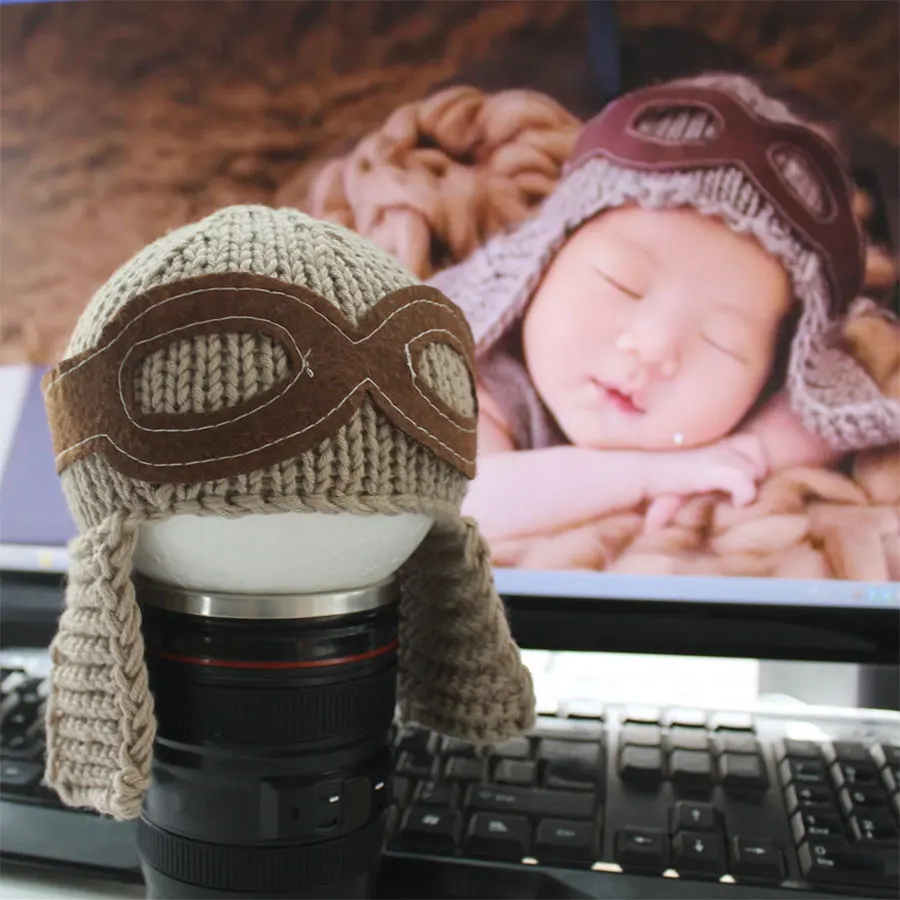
(872,338)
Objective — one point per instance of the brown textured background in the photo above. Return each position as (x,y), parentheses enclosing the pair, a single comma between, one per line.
(121,120)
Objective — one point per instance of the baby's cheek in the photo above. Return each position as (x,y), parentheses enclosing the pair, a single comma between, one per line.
(720,404)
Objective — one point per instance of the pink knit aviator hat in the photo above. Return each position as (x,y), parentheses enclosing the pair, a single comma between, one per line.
(718,144)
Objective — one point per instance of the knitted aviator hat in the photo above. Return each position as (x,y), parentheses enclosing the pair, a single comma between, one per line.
(718,144)
(262,361)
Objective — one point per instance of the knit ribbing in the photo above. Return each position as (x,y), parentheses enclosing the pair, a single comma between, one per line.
(460,672)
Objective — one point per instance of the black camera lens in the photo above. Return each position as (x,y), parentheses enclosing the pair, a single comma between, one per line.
(272,762)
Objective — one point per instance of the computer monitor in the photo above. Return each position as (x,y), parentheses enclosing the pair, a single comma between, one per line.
(809,570)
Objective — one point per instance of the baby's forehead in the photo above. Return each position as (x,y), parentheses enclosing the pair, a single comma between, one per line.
(698,250)
(657,235)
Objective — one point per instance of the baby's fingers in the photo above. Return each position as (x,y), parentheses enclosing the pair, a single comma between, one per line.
(661,511)
(741,487)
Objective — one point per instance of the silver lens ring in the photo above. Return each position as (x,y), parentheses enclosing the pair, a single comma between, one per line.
(225,605)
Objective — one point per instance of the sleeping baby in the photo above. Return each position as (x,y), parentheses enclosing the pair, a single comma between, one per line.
(665,324)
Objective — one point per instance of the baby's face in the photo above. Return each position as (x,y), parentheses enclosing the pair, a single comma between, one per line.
(652,324)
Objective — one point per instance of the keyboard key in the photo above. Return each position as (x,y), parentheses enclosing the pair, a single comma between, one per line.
(516,771)
(686,718)
(17,776)
(856,799)
(12,679)
(875,827)
(682,738)
(890,780)
(641,766)
(814,824)
(832,861)
(549,750)
(642,848)
(848,751)
(584,709)
(21,718)
(459,747)
(803,772)
(567,729)
(566,841)
(400,790)
(416,740)
(799,750)
(570,766)
(499,836)
(642,735)
(530,802)
(459,768)
(732,721)
(691,769)
(22,744)
(431,793)
(810,800)
(415,764)
(694,817)
(886,754)
(807,794)
(430,828)
(742,772)
(895,806)
(514,748)
(642,715)
(849,775)
(699,852)
(756,859)
(737,742)
(34,691)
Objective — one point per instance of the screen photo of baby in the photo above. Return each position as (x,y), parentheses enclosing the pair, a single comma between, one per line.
(682,369)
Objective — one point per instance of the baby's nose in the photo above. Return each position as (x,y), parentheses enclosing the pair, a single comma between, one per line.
(657,349)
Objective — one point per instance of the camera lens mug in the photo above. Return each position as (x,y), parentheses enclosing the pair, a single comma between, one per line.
(272,762)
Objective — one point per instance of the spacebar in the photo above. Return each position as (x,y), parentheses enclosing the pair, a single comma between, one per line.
(562,804)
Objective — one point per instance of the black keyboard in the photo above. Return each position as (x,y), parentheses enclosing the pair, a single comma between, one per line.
(696,796)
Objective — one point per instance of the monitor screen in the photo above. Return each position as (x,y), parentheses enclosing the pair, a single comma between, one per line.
(638,435)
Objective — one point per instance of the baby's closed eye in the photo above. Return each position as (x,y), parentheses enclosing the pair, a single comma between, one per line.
(623,281)
(728,330)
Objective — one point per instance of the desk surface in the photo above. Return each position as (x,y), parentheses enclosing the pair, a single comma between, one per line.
(24,884)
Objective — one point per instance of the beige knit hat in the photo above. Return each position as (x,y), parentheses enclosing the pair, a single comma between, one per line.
(263,361)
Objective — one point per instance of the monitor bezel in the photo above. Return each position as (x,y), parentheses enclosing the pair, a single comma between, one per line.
(861,635)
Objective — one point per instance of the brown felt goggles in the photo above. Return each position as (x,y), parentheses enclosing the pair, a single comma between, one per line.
(739,137)
(334,366)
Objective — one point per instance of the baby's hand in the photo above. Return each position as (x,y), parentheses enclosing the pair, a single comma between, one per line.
(734,466)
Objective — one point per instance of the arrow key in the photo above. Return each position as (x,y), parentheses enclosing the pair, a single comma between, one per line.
(642,848)
(699,853)
(756,860)
(694,816)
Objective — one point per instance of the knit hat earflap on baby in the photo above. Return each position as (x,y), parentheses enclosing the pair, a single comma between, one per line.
(188,388)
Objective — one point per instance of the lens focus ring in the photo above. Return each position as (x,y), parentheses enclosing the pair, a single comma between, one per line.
(260,870)
(276,715)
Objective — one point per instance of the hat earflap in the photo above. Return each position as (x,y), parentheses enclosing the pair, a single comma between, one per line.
(460,671)
(100,714)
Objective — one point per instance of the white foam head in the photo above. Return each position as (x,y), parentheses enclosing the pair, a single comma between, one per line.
(278,553)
